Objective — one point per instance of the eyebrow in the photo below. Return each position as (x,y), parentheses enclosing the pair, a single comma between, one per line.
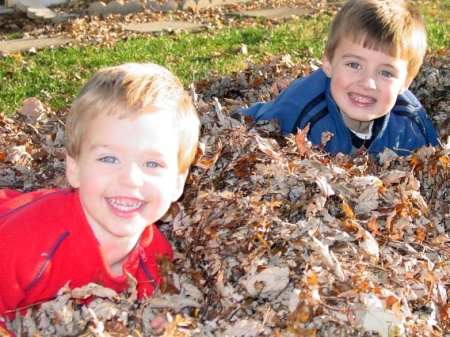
(97,146)
(361,58)
(148,152)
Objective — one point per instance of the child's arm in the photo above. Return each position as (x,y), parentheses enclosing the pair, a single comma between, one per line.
(14,247)
(7,194)
(4,332)
(290,107)
(283,108)
(11,199)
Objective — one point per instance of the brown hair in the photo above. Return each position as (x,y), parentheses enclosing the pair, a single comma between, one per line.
(134,89)
(393,27)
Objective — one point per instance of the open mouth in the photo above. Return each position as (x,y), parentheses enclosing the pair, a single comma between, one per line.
(362,99)
(125,205)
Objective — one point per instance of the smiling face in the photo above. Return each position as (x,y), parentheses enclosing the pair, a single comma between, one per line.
(127,173)
(364,83)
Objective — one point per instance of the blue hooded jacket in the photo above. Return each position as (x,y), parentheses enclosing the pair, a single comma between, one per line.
(308,100)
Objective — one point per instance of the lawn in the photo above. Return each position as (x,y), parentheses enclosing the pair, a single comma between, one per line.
(55,75)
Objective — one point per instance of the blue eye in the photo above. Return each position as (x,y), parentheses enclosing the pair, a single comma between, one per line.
(152,164)
(109,160)
(386,73)
(353,65)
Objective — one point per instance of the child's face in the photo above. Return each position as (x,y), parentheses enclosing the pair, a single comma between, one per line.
(127,173)
(364,83)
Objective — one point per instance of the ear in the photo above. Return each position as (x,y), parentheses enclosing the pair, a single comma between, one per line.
(326,66)
(406,85)
(72,172)
(179,186)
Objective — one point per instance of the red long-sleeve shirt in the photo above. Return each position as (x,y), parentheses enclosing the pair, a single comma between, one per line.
(46,241)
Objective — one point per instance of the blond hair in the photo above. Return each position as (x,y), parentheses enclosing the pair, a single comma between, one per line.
(135,89)
(393,27)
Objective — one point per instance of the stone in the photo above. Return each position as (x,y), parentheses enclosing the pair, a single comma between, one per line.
(153,6)
(23,5)
(133,7)
(40,14)
(13,46)
(115,7)
(6,11)
(169,6)
(186,4)
(97,7)
(161,26)
(280,13)
(61,18)
(46,16)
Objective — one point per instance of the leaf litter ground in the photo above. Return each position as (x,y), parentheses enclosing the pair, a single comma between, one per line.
(272,237)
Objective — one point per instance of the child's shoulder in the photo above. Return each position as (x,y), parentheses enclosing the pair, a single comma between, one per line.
(409,100)
(409,114)
(409,107)
(306,89)
(317,79)
(12,201)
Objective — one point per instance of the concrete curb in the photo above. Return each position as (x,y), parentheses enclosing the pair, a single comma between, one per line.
(161,26)
(14,46)
(280,13)
(37,11)
(119,7)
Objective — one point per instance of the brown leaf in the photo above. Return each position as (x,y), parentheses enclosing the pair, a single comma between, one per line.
(300,139)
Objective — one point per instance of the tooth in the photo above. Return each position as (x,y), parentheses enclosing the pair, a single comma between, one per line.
(126,206)
(362,99)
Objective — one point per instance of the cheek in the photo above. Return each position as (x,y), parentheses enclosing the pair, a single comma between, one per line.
(391,92)
(340,81)
(338,88)
(93,182)
(162,189)
(91,188)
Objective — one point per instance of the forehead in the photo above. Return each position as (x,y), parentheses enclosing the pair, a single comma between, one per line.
(373,42)
(139,132)
(357,49)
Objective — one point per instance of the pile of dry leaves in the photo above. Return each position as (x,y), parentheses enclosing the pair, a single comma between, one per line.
(282,239)
(272,237)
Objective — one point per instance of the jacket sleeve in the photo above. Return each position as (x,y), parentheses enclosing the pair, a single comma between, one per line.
(288,107)
(12,199)
(15,260)
(285,108)
(11,290)
(7,194)
(424,123)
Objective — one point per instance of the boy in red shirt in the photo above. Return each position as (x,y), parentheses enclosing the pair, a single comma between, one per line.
(131,136)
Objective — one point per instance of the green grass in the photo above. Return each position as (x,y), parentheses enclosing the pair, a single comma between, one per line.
(55,75)
(12,36)
(437,19)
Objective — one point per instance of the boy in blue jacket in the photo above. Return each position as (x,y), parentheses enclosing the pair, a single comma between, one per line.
(360,94)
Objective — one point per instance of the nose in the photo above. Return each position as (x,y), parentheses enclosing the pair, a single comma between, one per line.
(367,81)
(131,176)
